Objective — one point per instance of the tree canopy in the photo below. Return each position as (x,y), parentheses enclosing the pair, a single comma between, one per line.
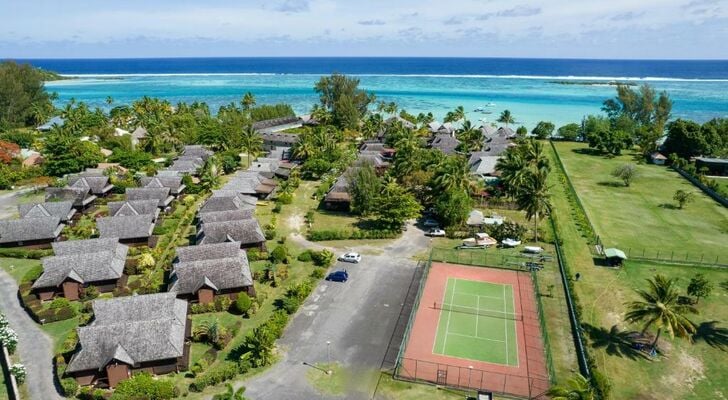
(23,98)
(340,95)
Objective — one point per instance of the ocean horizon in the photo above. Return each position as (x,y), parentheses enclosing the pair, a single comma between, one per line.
(534,89)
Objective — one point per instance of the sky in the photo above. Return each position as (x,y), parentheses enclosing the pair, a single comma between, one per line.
(640,29)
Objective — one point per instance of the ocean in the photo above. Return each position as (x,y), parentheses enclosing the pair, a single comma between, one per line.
(558,90)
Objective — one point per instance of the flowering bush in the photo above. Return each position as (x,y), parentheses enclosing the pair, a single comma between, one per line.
(7,335)
(18,371)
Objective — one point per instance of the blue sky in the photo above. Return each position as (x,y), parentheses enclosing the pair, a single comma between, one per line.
(543,28)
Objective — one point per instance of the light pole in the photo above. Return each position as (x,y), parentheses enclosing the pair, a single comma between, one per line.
(328,357)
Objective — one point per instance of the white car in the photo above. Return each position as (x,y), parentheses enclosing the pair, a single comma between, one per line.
(351,257)
(435,232)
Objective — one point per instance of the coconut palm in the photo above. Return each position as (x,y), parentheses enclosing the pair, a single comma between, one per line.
(230,393)
(452,174)
(251,143)
(576,388)
(109,100)
(506,118)
(210,177)
(210,330)
(533,198)
(470,136)
(391,108)
(455,115)
(424,119)
(660,308)
(248,101)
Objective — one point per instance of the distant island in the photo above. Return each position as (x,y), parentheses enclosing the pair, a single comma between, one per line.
(594,83)
(51,76)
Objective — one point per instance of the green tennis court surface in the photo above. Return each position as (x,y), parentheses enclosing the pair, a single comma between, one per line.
(477,322)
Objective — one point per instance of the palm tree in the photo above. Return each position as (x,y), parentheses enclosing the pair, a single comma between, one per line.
(506,118)
(660,308)
(453,174)
(320,114)
(248,101)
(470,136)
(455,115)
(577,388)
(210,330)
(391,108)
(251,142)
(230,393)
(109,100)
(533,198)
(210,177)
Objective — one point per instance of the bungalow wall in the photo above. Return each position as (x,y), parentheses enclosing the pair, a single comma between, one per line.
(114,373)
(31,244)
(206,295)
(71,287)
(135,242)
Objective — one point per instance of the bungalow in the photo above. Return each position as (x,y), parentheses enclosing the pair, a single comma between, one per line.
(55,121)
(506,132)
(187,165)
(174,183)
(715,166)
(62,209)
(99,184)
(80,263)
(130,229)
(134,207)
(658,158)
(203,273)
(445,142)
(251,184)
(197,151)
(161,194)
(273,140)
(81,198)
(245,231)
(338,198)
(373,158)
(266,167)
(138,135)
(277,124)
(222,216)
(484,166)
(144,333)
(30,232)
(443,129)
(227,200)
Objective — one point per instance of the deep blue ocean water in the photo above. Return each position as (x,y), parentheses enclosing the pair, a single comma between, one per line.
(532,89)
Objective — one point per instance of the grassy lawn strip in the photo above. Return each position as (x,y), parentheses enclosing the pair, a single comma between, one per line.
(643,218)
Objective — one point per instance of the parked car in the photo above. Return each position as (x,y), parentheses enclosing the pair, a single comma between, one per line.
(430,223)
(435,232)
(351,257)
(338,276)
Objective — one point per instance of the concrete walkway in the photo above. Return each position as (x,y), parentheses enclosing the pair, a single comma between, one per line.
(35,348)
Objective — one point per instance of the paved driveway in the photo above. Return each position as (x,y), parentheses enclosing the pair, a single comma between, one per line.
(358,317)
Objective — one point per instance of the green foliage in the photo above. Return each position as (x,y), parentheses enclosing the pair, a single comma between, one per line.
(323,235)
(507,230)
(683,197)
(59,302)
(66,154)
(23,99)
(243,303)
(132,159)
(143,385)
(322,258)
(230,161)
(289,304)
(396,205)
(700,287)
(625,172)
(569,131)
(279,254)
(305,256)
(318,273)
(506,118)
(22,138)
(521,131)
(32,274)
(341,96)
(453,206)
(264,112)
(365,189)
(600,134)
(69,387)
(221,372)
(543,129)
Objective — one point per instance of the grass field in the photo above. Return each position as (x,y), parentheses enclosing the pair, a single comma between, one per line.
(476,322)
(643,219)
(687,370)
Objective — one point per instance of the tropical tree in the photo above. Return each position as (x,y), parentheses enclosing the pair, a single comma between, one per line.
(211,331)
(533,198)
(210,177)
(397,205)
(365,190)
(109,100)
(391,108)
(506,118)
(452,174)
(683,197)
(543,129)
(455,115)
(576,388)
(659,307)
(248,101)
(230,393)
(471,138)
(251,143)
(626,173)
(699,287)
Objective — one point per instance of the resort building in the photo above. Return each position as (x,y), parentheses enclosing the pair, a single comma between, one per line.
(203,273)
(30,232)
(174,183)
(98,184)
(247,232)
(81,198)
(160,194)
(271,141)
(251,183)
(134,207)
(143,333)
(134,230)
(80,263)
(227,200)
(61,209)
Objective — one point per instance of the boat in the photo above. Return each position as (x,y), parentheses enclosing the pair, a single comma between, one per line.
(510,242)
(532,249)
(490,104)
(481,240)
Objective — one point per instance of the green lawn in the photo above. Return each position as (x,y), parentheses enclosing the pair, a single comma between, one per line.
(643,219)
(17,267)
(59,331)
(689,371)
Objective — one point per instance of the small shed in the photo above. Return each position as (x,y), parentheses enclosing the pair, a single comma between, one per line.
(658,158)
(614,256)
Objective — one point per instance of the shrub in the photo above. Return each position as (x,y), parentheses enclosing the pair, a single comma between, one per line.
(69,387)
(282,272)
(321,235)
(305,256)
(285,198)
(19,372)
(322,258)
(220,373)
(243,303)
(300,291)
(269,231)
(279,255)
(143,385)
(288,304)
(222,303)
(24,253)
(256,255)
(89,293)
(59,302)
(318,273)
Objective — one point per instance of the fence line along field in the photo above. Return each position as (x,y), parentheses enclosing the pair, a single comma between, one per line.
(642,218)
(476,328)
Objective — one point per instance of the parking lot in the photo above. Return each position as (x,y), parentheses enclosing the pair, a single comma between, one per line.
(357,317)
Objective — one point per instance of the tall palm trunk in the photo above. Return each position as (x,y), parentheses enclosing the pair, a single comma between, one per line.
(535,227)
(654,344)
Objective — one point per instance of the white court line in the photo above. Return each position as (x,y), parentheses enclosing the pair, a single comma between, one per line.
(447,327)
(505,324)
(475,337)
(479,295)
(477,318)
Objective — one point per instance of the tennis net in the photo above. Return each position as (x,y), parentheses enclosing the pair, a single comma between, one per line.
(477,311)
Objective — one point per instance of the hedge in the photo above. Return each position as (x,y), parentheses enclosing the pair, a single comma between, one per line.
(36,254)
(222,372)
(321,235)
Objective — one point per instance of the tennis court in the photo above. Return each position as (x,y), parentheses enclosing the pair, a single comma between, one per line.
(477,321)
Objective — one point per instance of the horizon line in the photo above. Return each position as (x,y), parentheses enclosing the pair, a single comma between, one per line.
(4,58)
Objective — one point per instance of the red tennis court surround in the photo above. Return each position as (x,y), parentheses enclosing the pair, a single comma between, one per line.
(529,379)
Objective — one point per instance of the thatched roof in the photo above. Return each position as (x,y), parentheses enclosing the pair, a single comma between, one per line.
(133,330)
(126,227)
(227,200)
(445,143)
(160,194)
(139,133)
(99,185)
(232,215)
(274,122)
(217,266)
(197,151)
(174,183)
(61,209)
(245,231)
(29,229)
(80,197)
(134,207)
(84,261)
